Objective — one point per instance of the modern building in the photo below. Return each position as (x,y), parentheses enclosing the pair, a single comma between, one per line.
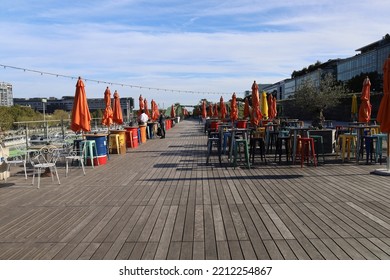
(6,96)
(370,59)
(66,104)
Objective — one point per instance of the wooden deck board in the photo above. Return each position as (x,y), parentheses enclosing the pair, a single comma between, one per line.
(161,201)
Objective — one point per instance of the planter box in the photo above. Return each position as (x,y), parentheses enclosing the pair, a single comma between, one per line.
(328,136)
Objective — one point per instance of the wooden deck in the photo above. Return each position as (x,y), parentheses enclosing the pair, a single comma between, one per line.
(160,201)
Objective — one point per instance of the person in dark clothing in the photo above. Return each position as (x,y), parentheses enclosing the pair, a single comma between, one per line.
(161,121)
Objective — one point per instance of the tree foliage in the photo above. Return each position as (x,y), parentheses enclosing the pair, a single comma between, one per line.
(60,115)
(314,99)
(16,113)
(306,70)
(356,83)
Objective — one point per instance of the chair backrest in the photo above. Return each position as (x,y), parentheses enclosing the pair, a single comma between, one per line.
(284,133)
(3,154)
(18,154)
(45,155)
(78,150)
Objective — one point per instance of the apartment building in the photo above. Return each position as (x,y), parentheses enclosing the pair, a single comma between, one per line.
(6,96)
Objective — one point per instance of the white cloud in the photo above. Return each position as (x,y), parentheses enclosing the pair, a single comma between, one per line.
(194,46)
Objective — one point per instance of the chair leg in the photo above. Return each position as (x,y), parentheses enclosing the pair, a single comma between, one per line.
(82,166)
(39,177)
(58,178)
(219,151)
(32,182)
(51,174)
(246,150)
(209,144)
(8,169)
(25,170)
(97,159)
(66,167)
(313,153)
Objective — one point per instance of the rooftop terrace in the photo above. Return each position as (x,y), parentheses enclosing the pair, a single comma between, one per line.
(161,201)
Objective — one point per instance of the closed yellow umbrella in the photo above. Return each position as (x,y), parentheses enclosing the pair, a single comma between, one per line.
(354,108)
(264,105)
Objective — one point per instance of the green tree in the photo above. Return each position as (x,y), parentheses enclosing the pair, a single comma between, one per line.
(6,119)
(356,83)
(16,113)
(60,114)
(97,114)
(316,99)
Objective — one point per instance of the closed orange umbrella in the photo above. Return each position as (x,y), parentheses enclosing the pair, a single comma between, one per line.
(222,108)
(215,111)
(204,110)
(275,110)
(155,112)
(246,108)
(108,114)
(117,112)
(146,108)
(152,110)
(173,113)
(81,117)
(365,106)
(272,107)
(383,116)
(210,110)
(256,113)
(233,108)
(141,105)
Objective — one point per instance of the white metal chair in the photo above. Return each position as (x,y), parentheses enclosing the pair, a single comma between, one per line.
(45,159)
(76,154)
(18,159)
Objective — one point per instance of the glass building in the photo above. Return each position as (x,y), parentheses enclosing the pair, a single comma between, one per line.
(370,59)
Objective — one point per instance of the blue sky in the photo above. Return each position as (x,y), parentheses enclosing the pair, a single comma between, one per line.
(198,46)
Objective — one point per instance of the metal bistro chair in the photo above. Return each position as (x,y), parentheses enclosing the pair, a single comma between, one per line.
(45,159)
(76,154)
(18,159)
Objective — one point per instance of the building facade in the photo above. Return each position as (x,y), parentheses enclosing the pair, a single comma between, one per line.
(370,59)
(66,104)
(6,96)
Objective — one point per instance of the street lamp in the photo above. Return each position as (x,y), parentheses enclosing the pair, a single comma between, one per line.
(44,101)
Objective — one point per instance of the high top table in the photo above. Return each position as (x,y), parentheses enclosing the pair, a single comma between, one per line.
(297,131)
(359,128)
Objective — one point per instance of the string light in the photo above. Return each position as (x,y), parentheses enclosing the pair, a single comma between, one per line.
(110,83)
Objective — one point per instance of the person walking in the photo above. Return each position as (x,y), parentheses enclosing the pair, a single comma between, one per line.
(161,121)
